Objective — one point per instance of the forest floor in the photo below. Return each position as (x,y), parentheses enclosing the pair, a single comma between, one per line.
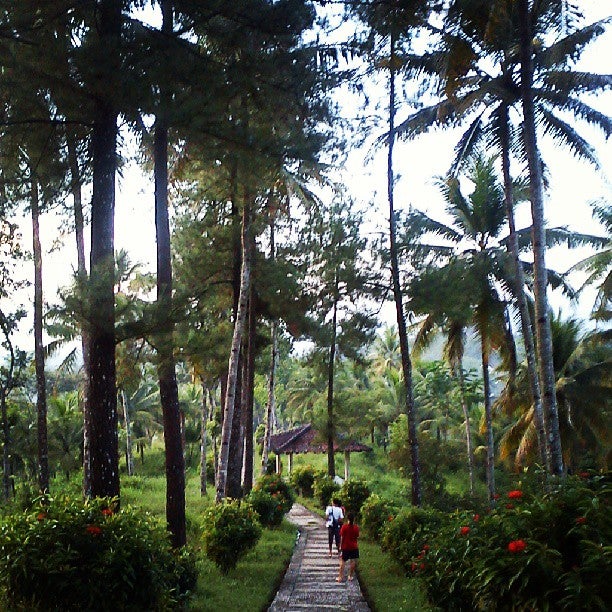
(310,580)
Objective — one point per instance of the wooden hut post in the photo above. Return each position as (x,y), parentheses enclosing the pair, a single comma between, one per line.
(289,463)
(347,464)
(279,467)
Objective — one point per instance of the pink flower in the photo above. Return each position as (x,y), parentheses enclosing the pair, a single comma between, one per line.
(517,546)
(464,530)
(516,494)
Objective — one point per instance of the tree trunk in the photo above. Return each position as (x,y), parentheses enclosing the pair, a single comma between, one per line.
(203,432)
(79,230)
(248,393)
(39,349)
(215,449)
(129,457)
(490,461)
(168,389)
(6,427)
(233,486)
(270,407)
(544,345)
(232,378)
(331,463)
(397,296)
(521,299)
(468,429)
(101,402)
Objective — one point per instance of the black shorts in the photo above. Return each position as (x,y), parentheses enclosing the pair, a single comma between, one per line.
(350,554)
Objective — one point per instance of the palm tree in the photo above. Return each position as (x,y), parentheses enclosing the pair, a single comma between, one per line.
(477,67)
(465,289)
(583,372)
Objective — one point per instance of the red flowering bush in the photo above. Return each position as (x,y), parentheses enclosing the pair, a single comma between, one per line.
(269,509)
(72,555)
(517,546)
(278,488)
(550,552)
(516,494)
(375,513)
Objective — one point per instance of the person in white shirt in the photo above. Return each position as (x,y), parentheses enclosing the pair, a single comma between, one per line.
(334,516)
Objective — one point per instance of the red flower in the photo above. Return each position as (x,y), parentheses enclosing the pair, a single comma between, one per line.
(517,546)
(93,530)
(425,547)
(413,567)
(390,518)
(584,475)
(509,506)
(107,512)
(476,518)
(421,554)
(464,530)
(422,566)
(515,494)
(496,496)
(41,516)
(581,520)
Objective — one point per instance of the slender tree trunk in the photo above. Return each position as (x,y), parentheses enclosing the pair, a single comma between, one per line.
(397,295)
(331,438)
(232,378)
(39,349)
(538,237)
(101,403)
(215,449)
(270,407)
(168,389)
(249,394)
(79,230)
(521,299)
(490,461)
(6,427)
(468,429)
(233,485)
(129,456)
(203,433)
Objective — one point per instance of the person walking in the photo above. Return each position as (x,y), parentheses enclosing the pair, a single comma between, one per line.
(349,534)
(334,516)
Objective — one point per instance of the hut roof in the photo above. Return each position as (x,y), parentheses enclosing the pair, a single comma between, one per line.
(304,439)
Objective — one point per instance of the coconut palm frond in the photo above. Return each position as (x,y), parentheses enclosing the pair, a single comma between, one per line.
(564,81)
(464,149)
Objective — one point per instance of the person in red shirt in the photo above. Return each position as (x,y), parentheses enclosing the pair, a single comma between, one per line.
(349,534)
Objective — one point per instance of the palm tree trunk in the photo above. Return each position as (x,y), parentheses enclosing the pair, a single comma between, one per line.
(168,388)
(39,349)
(490,461)
(232,378)
(331,438)
(129,456)
(270,407)
(543,330)
(468,429)
(519,290)
(397,296)
(101,403)
(79,231)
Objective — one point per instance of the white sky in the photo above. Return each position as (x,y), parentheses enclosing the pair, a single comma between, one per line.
(573,184)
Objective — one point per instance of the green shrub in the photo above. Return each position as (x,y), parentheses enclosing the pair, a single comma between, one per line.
(353,494)
(302,478)
(269,509)
(231,529)
(324,489)
(72,555)
(278,488)
(376,512)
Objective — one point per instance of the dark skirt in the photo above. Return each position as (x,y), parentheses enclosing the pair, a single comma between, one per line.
(350,554)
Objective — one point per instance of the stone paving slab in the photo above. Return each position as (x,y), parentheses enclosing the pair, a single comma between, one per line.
(310,580)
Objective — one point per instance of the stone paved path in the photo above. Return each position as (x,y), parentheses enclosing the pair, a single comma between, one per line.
(310,581)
